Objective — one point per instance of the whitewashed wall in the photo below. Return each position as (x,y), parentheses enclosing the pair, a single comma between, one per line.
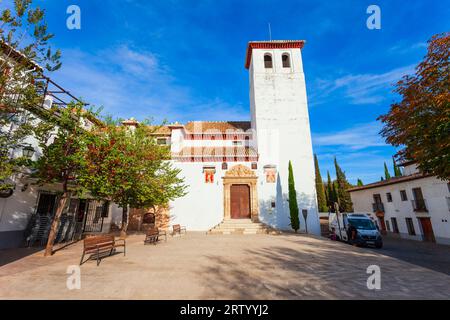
(435,193)
(280,117)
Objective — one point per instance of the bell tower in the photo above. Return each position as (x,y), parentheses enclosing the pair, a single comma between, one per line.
(280,122)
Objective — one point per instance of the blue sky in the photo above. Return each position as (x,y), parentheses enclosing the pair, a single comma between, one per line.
(184,60)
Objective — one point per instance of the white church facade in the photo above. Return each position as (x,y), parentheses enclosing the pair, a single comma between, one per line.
(238,170)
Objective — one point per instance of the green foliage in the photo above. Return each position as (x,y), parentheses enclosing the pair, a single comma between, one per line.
(342,185)
(331,196)
(359,183)
(420,123)
(397,171)
(22,29)
(320,190)
(293,206)
(128,167)
(387,175)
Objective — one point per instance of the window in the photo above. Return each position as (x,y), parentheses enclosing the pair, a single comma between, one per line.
(270,175)
(254,165)
(237,143)
(403,195)
(272,204)
(267,61)
(388,226)
(224,166)
(161,141)
(105,209)
(394,225)
(286,60)
(389,197)
(410,226)
(209,174)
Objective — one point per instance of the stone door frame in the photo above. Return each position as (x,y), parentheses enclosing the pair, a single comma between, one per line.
(240,174)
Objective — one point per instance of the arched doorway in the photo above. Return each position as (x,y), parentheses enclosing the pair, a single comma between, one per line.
(240,201)
(240,194)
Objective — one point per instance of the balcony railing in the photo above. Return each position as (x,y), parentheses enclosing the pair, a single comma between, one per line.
(419,205)
(378,207)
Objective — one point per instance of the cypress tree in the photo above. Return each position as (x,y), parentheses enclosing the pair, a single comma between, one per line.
(387,175)
(397,171)
(343,196)
(359,183)
(293,206)
(320,190)
(330,193)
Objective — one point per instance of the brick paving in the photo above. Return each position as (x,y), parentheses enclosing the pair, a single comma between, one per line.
(199,266)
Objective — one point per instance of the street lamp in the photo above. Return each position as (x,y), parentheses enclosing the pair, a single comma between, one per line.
(28,152)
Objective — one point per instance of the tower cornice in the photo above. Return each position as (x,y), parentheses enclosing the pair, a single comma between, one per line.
(273,44)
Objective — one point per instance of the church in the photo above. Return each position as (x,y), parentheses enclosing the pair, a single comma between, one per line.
(237,171)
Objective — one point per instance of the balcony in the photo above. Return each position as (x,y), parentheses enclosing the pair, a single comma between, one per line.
(419,205)
(378,207)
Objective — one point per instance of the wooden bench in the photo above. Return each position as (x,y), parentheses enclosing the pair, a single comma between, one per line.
(96,245)
(177,229)
(152,235)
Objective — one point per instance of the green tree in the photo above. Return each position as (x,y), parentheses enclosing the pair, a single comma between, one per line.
(387,175)
(330,191)
(62,140)
(397,171)
(420,122)
(127,167)
(320,190)
(359,183)
(23,44)
(293,206)
(343,196)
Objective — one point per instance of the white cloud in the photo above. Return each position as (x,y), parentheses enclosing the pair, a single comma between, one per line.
(366,88)
(128,82)
(358,137)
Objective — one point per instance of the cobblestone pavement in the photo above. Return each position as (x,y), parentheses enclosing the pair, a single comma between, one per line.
(426,254)
(197,266)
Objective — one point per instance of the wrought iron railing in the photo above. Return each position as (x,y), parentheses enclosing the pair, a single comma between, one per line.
(378,207)
(419,205)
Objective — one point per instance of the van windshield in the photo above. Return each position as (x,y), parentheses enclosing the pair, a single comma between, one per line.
(363,224)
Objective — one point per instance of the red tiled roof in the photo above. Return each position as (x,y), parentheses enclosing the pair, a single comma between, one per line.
(390,181)
(274,44)
(217,126)
(216,152)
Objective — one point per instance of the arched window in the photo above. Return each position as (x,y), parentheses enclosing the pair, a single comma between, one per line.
(286,60)
(267,61)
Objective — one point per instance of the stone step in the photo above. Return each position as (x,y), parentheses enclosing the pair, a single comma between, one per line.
(241,226)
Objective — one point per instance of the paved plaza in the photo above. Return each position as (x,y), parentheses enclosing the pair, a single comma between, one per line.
(199,266)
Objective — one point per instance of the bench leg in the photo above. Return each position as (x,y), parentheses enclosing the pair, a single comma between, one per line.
(98,257)
(124,249)
(82,256)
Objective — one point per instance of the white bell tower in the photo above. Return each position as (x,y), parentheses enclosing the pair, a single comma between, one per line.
(280,120)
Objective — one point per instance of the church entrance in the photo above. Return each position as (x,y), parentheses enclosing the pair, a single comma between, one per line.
(240,197)
(240,201)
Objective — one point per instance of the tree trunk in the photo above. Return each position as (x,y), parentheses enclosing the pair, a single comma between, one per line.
(123,231)
(55,224)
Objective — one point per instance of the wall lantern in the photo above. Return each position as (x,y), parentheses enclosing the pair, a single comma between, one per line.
(28,152)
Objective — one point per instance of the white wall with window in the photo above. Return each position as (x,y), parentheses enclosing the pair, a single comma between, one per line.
(419,206)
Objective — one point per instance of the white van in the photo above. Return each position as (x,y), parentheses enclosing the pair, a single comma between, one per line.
(367,232)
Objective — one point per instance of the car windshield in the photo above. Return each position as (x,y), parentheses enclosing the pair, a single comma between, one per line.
(363,224)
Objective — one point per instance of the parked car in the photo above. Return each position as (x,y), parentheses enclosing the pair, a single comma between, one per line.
(365,230)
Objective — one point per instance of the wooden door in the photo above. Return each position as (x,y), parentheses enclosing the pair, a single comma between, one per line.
(427,228)
(240,201)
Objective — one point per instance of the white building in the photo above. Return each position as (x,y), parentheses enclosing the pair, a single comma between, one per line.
(238,170)
(415,206)
(27,202)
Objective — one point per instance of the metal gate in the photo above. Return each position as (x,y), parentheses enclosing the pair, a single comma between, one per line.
(95,213)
